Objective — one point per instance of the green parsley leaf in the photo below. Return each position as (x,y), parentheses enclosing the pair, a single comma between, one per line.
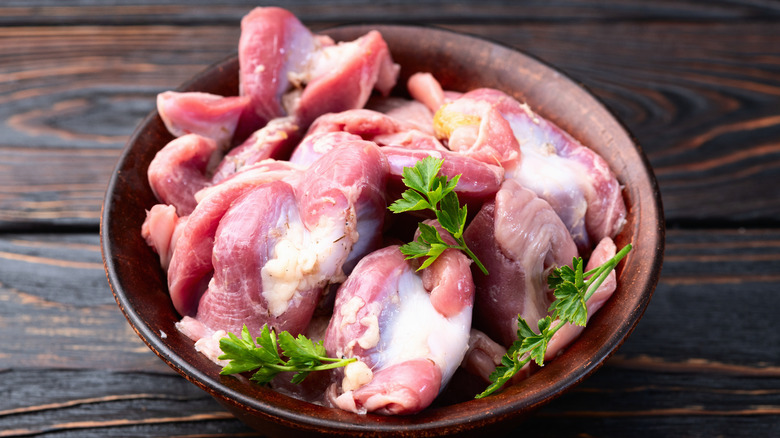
(299,355)
(427,190)
(410,201)
(571,292)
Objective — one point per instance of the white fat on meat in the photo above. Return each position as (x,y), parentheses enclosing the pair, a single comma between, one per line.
(356,374)
(561,181)
(392,319)
(302,259)
(418,330)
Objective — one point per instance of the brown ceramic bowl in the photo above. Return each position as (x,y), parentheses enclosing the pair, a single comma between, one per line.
(461,63)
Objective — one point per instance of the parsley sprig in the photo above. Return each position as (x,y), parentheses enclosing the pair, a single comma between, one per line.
(430,191)
(300,355)
(572,291)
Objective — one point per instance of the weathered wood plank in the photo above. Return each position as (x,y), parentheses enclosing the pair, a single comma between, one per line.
(701,102)
(70,98)
(707,346)
(614,402)
(56,298)
(57,12)
(59,311)
(704,108)
(102,403)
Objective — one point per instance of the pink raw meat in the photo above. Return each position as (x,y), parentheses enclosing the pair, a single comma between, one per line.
(275,141)
(519,239)
(404,110)
(474,127)
(245,241)
(408,330)
(191,266)
(572,178)
(281,242)
(342,77)
(209,115)
(381,128)
(604,251)
(479,181)
(426,89)
(161,229)
(180,169)
(287,70)
(273,42)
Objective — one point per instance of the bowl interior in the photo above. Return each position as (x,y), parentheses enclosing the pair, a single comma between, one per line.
(460,63)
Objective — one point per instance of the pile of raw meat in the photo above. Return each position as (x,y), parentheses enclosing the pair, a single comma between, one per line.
(273,210)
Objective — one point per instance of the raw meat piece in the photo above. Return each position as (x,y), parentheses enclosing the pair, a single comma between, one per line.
(209,115)
(604,251)
(472,126)
(404,110)
(409,331)
(426,89)
(314,146)
(292,76)
(254,174)
(279,243)
(573,179)
(519,239)
(273,42)
(342,76)
(356,171)
(266,264)
(483,355)
(190,268)
(287,70)
(383,129)
(479,181)
(161,229)
(180,169)
(275,141)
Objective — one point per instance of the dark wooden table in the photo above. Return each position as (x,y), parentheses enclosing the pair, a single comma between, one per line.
(698,84)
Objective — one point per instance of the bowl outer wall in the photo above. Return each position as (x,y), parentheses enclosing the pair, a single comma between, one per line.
(460,62)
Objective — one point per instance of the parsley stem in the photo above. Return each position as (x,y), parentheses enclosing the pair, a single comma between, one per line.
(340,363)
(473,256)
(600,274)
(332,365)
(336,359)
(337,364)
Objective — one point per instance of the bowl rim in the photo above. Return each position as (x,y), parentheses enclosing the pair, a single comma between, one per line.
(512,402)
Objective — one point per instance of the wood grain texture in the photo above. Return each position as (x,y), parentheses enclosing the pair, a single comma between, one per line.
(697,82)
(56,299)
(702,103)
(704,355)
(58,12)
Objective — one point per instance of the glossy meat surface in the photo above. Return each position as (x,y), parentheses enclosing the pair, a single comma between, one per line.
(190,267)
(266,233)
(209,115)
(281,242)
(571,177)
(287,70)
(409,331)
(403,144)
(519,238)
(180,169)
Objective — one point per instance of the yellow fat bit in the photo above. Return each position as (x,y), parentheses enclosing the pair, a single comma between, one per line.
(445,122)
